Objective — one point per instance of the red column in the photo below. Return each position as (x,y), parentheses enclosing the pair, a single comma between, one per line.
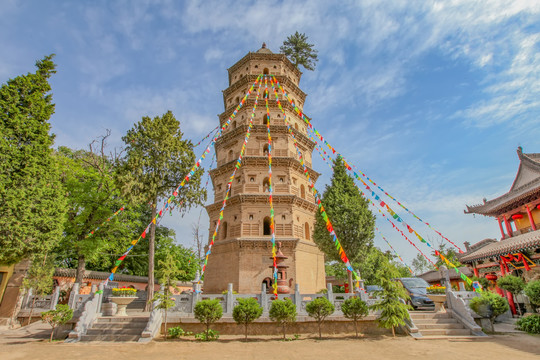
(533,226)
(500,227)
(476,272)
(510,299)
(508,227)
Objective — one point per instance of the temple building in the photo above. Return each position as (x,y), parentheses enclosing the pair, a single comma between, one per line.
(518,216)
(242,252)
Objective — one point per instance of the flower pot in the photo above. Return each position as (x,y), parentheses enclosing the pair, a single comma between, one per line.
(122,302)
(439,300)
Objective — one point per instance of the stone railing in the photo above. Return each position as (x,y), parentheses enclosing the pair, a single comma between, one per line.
(153,326)
(89,314)
(40,303)
(185,303)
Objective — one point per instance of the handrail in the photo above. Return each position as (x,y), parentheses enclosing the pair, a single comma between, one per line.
(154,324)
(88,316)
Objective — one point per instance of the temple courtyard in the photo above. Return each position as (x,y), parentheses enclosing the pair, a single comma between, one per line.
(507,343)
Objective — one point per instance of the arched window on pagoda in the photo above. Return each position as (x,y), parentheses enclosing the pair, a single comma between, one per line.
(230,156)
(302,191)
(224,230)
(265,119)
(265,71)
(266,226)
(296,126)
(266,185)
(306,231)
(265,150)
(234,124)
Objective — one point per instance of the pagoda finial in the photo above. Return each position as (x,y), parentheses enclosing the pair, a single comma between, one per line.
(264,45)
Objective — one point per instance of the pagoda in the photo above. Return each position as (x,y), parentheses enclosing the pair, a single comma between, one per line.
(518,216)
(241,253)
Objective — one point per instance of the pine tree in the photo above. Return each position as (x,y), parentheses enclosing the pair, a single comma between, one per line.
(39,279)
(299,51)
(352,221)
(31,197)
(157,159)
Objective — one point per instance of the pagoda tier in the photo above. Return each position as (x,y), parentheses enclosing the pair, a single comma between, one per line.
(242,249)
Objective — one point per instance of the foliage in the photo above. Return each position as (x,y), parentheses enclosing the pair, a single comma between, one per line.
(176,332)
(530,324)
(283,312)
(436,289)
(394,311)
(354,308)
(511,283)
(225,292)
(39,278)
(489,305)
(124,291)
(532,290)
(299,51)
(483,282)
(377,266)
(351,219)
(247,311)
(319,309)
(157,159)
(208,335)
(61,315)
(31,195)
(208,312)
(420,265)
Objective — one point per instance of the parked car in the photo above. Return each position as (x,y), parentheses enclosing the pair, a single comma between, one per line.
(371,290)
(416,288)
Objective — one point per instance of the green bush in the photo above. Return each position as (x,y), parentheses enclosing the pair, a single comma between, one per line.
(354,309)
(489,302)
(60,316)
(284,313)
(319,309)
(208,312)
(208,335)
(177,331)
(247,311)
(532,290)
(530,324)
(483,282)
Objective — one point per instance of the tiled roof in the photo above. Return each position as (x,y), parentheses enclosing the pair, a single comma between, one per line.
(101,275)
(435,275)
(526,183)
(504,247)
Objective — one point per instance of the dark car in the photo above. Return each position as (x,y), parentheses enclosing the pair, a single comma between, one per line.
(416,287)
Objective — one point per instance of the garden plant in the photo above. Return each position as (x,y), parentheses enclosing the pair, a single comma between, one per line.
(513,284)
(319,309)
(354,309)
(532,290)
(61,315)
(247,311)
(284,313)
(489,305)
(208,312)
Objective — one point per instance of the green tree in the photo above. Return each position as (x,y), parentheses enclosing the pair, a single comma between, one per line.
(92,197)
(489,305)
(208,312)
(299,51)
(39,279)
(394,311)
(247,311)
(513,284)
(31,195)
(532,290)
(157,160)
(320,309)
(168,273)
(352,221)
(448,252)
(420,265)
(284,313)
(355,309)
(61,315)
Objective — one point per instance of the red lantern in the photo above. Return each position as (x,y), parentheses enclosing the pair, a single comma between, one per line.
(491,277)
(538,206)
(517,216)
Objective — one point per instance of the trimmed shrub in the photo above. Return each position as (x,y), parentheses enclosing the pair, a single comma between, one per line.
(489,305)
(208,312)
(532,290)
(354,309)
(530,324)
(319,309)
(284,313)
(247,311)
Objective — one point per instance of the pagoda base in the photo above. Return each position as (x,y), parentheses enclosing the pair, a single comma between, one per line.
(245,263)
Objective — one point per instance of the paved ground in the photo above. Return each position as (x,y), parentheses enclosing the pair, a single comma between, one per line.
(30,343)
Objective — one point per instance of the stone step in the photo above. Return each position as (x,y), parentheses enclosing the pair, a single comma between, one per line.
(448,332)
(123,319)
(107,337)
(429,315)
(435,321)
(421,327)
(451,337)
(124,331)
(112,326)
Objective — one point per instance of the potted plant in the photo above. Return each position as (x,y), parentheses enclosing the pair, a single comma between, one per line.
(437,293)
(122,297)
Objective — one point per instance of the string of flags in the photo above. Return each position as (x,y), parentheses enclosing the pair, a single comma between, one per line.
(395,252)
(334,151)
(231,178)
(476,285)
(272,223)
(103,223)
(206,137)
(311,186)
(184,181)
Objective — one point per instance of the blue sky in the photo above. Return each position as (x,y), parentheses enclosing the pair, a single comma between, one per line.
(429,98)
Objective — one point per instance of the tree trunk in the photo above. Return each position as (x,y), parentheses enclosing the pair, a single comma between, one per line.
(516,304)
(52,333)
(31,309)
(150,290)
(351,286)
(81,267)
(320,334)
(166,324)
(284,333)
(393,332)
(246,331)
(356,327)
